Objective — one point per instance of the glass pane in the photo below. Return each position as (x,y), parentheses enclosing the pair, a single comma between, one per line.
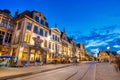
(41,32)
(29,26)
(42,22)
(35,29)
(37,18)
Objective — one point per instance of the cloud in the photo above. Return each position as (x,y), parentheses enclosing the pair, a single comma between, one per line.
(95,50)
(99,39)
(96,43)
(116,46)
(118,51)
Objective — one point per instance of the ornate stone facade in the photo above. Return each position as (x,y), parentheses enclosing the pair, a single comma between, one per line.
(28,38)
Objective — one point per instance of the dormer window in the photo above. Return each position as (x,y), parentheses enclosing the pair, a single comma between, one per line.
(37,18)
(42,22)
(46,24)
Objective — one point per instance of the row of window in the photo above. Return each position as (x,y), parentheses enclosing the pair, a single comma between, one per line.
(40,31)
(8,37)
(7,24)
(41,21)
(54,37)
(55,47)
(37,30)
(51,46)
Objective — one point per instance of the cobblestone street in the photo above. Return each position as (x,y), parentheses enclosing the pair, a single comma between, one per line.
(88,70)
(83,71)
(106,71)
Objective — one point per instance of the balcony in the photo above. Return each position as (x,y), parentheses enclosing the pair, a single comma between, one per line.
(7,27)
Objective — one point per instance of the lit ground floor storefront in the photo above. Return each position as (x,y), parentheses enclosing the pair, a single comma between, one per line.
(23,56)
(30,55)
(6,58)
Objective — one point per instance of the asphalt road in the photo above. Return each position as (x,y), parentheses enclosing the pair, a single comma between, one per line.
(85,71)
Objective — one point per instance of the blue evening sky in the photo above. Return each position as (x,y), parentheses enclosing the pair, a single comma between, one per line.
(96,23)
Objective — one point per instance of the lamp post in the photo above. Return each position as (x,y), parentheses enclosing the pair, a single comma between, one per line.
(108,48)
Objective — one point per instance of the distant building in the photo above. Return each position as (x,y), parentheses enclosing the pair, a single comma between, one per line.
(103,56)
(55,45)
(107,56)
(82,52)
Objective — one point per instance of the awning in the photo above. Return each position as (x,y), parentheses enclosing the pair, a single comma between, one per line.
(7,57)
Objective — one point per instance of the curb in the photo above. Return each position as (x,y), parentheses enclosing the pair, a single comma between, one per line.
(31,73)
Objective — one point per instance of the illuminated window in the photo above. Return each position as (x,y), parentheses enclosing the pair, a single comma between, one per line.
(45,43)
(25,55)
(27,38)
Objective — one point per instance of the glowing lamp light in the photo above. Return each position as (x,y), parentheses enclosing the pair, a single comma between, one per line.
(108,47)
(22,48)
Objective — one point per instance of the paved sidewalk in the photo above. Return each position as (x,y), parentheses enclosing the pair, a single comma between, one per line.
(6,73)
(106,71)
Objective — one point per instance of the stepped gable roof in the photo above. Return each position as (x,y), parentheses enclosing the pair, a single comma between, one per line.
(64,36)
(111,52)
(27,12)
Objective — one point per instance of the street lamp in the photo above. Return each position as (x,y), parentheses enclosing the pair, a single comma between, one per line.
(108,48)
(22,48)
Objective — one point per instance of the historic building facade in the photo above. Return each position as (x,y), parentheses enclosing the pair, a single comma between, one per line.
(7,25)
(103,56)
(82,52)
(55,45)
(31,38)
(26,39)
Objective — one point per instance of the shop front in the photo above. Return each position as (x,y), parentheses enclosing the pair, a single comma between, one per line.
(31,56)
(6,58)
